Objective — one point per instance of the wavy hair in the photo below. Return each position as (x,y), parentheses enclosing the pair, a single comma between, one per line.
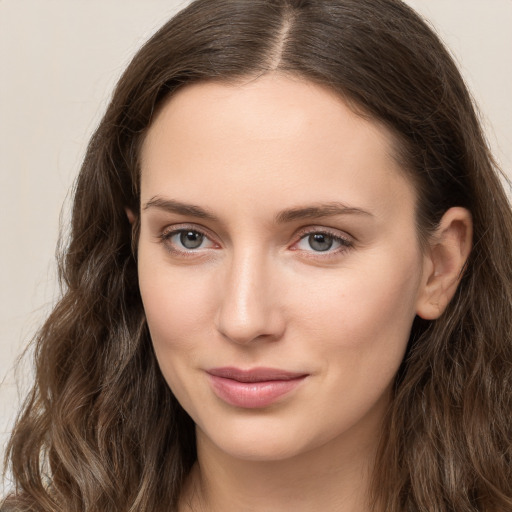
(101,431)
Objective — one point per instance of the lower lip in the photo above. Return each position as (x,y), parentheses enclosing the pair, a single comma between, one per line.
(252,395)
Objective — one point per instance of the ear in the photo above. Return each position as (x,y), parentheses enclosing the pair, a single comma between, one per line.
(444,262)
(130,215)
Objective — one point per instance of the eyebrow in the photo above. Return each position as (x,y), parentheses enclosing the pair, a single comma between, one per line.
(172,206)
(289,215)
(320,210)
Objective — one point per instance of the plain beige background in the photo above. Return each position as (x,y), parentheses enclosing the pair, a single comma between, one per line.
(59,60)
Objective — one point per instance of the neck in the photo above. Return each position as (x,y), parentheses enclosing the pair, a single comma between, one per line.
(333,477)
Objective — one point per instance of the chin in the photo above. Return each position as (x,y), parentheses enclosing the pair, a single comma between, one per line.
(259,441)
(260,450)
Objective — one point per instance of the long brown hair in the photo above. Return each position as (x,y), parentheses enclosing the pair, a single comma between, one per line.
(101,431)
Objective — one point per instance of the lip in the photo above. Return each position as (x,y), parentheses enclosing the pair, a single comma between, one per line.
(253,388)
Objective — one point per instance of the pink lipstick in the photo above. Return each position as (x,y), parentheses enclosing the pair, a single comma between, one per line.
(253,388)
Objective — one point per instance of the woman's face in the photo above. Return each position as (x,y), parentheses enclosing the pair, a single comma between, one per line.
(279,265)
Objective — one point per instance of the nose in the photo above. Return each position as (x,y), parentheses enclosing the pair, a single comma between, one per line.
(249,307)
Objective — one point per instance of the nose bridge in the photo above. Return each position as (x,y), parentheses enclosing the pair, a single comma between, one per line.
(248,303)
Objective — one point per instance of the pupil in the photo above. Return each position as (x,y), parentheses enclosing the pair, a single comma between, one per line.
(191,239)
(320,242)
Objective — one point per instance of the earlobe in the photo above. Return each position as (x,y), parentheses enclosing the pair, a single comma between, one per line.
(130,215)
(444,262)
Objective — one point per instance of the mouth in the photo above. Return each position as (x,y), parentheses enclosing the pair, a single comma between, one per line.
(253,388)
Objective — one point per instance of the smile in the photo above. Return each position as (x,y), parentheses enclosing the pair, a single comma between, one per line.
(255,388)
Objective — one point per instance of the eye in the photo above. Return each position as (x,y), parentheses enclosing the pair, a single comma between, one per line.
(189,239)
(320,241)
(185,240)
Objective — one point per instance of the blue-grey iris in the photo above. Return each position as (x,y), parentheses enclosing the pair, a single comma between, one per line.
(320,241)
(191,239)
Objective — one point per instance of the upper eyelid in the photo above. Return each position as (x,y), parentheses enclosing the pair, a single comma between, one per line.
(176,228)
(165,235)
(334,232)
(296,237)
(168,233)
(344,243)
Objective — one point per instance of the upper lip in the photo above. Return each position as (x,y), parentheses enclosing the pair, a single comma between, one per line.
(255,374)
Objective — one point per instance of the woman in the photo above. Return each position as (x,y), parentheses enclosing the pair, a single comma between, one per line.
(288,283)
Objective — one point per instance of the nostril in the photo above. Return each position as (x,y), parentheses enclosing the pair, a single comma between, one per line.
(250,325)
(247,333)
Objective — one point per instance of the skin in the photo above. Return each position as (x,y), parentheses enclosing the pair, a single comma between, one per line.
(257,293)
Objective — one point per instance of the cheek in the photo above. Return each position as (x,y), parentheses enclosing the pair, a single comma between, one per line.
(362,318)
(175,307)
(178,311)
(357,328)
(177,301)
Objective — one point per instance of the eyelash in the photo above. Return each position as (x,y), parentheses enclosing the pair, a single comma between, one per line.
(167,234)
(345,243)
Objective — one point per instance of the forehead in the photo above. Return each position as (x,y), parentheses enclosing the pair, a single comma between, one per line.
(271,134)
(285,106)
